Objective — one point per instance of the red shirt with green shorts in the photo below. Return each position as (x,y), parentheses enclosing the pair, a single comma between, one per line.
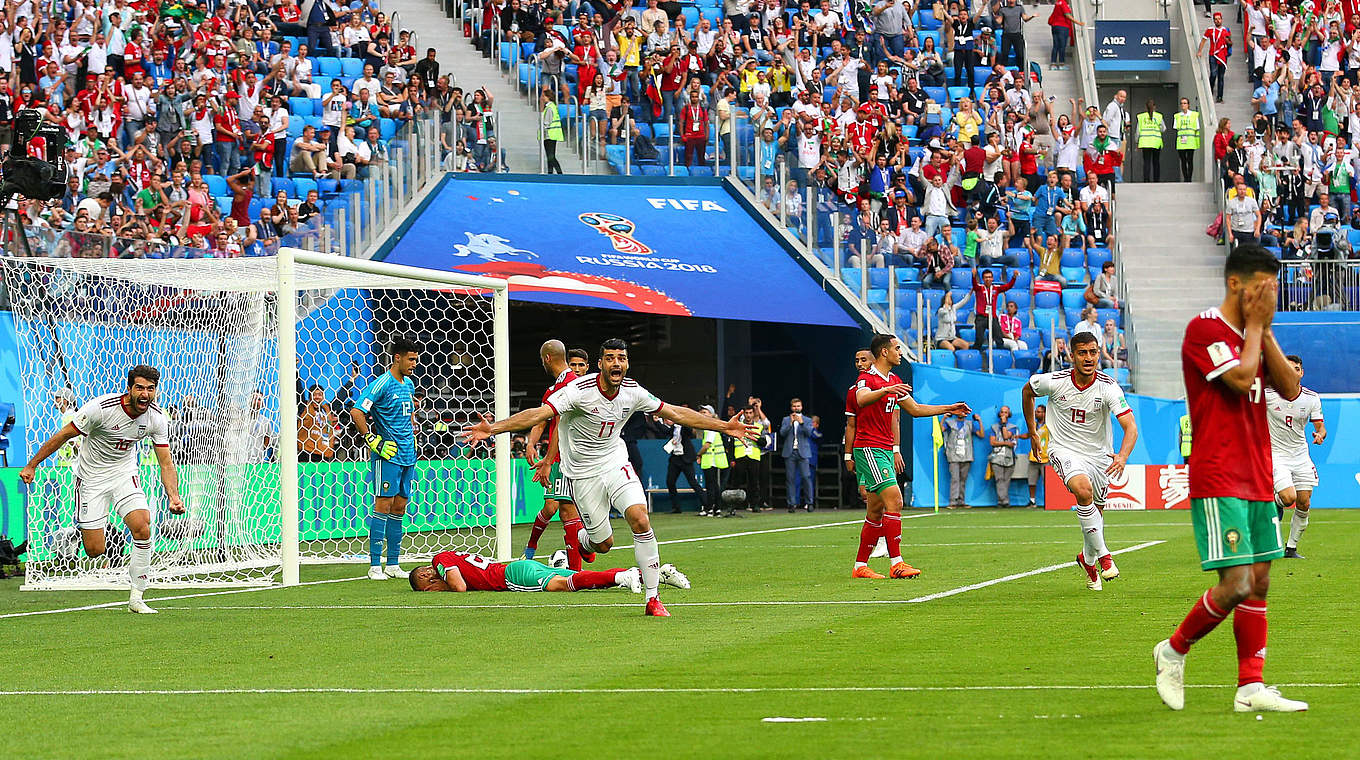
(873,453)
(1231,491)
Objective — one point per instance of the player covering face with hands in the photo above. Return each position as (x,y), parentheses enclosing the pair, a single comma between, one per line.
(1082,400)
(106,470)
(591,412)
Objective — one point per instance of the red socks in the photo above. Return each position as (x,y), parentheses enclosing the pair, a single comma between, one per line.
(540,524)
(1203,617)
(1249,628)
(573,551)
(868,538)
(892,533)
(590,579)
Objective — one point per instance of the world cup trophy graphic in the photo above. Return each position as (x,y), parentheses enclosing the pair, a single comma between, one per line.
(618,230)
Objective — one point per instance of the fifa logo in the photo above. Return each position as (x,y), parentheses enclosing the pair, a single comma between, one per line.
(1232,537)
(617,229)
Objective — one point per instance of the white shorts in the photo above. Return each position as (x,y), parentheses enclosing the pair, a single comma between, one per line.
(594,496)
(1069,465)
(1297,473)
(95,501)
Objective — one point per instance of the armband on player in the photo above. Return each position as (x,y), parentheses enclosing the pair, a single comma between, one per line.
(897,449)
(848,456)
(383,448)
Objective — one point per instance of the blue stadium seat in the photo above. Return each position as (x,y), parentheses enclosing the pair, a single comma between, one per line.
(1032,338)
(967,334)
(907,275)
(1115,314)
(1074,275)
(256,205)
(1027,359)
(217,185)
(1023,278)
(942,358)
(1096,257)
(1018,297)
(957,93)
(302,185)
(1073,298)
(1121,376)
(286,185)
(1002,360)
(329,67)
(938,94)
(223,204)
(1021,254)
(933,299)
(1073,316)
(1044,299)
(878,277)
(300,106)
(295,128)
(1044,320)
(968,359)
(906,318)
(960,278)
(1073,257)
(853,278)
(387,128)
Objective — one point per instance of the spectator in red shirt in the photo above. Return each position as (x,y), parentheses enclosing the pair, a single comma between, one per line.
(1219,39)
(227,129)
(1060,23)
(1223,138)
(985,293)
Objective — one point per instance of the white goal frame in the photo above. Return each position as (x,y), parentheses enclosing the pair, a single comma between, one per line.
(283,270)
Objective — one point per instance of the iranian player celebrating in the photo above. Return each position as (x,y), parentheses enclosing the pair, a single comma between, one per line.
(106,470)
(1228,357)
(595,460)
(1081,401)
(877,457)
(1294,474)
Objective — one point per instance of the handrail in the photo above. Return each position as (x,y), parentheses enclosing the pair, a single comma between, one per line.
(1085,71)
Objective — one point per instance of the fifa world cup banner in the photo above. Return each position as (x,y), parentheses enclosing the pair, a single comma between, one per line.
(1140,486)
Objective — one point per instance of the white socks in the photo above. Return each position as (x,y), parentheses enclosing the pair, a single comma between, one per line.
(649,561)
(1092,533)
(1297,524)
(139,567)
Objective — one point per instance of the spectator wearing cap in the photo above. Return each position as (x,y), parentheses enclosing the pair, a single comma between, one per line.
(309,154)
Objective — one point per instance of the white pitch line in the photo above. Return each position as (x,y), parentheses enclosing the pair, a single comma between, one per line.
(626,690)
(107,605)
(760,603)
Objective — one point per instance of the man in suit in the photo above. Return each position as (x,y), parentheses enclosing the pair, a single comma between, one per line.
(683,455)
(796,445)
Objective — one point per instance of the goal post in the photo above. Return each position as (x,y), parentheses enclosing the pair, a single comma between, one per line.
(260,360)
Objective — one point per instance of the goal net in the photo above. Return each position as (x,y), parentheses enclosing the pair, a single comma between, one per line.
(260,361)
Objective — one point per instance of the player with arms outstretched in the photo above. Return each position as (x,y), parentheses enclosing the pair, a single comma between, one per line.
(385,416)
(595,460)
(563,367)
(460,571)
(1228,357)
(1294,474)
(1080,450)
(106,470)
(877,455)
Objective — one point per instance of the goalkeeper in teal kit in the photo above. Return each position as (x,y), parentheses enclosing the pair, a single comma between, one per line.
(385,417)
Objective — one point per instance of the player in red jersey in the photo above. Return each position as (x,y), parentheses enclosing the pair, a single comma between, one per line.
(563,366)
(1228,357)
(460,571)
(864,359)
(877,455)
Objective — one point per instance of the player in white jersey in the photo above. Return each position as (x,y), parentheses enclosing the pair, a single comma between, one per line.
(1081,401)
(106,470)
(1294,474)
(592,412)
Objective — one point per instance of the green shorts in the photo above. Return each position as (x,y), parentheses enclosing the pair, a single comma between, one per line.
(1231,531)
(875,470)
(559,490)
(528,575)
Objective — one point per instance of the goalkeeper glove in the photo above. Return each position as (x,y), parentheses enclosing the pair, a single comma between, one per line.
(383,448)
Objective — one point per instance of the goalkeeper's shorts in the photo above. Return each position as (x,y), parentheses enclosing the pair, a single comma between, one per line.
(390,479)
(528,575)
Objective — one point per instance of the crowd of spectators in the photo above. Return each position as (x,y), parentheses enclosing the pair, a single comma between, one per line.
(1289,175)
(214,128)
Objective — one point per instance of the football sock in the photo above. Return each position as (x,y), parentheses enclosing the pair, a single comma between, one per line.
(649,560)
(576,534)
(892,535)
(573,551)
(589,579)
(1092,533)
(868,538)
(540,524)
(1297,525)
(1249,628)
(139,567)
(377,529)
(394,533)
(1203,618)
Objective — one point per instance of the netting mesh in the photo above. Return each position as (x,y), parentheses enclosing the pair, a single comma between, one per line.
(210,326)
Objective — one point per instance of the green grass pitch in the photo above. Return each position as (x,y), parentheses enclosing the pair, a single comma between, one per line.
(1035,666)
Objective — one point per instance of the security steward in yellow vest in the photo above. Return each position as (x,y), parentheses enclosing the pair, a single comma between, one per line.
(746,463)
(713,461)
(1151,125)
(1186,124)
(1185,438)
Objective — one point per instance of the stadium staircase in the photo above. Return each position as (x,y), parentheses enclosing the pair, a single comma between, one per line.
(518,119)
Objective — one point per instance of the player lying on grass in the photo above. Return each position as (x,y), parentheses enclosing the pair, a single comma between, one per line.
(106,470)
(1083,399)
(459,571)
(595,460)
(1293,471)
